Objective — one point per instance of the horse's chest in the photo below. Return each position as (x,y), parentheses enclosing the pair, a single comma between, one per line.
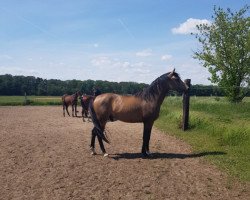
(151,112)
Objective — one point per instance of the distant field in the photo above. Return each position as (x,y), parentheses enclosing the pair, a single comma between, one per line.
(215,126)
(30,100)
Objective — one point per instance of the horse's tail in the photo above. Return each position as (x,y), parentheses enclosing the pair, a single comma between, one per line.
(96,122)
(63,97)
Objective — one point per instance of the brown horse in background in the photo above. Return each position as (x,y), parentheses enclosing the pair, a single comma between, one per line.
(70,100)
(85,101)
(143,107)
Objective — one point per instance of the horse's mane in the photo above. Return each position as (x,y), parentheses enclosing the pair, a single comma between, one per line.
(155,87)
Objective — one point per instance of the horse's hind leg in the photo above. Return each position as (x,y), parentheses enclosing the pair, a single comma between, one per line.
(92,145)
(63,110)
(102,146)
(66,106)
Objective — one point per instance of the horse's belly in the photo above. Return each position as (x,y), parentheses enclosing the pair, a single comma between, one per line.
(130,118)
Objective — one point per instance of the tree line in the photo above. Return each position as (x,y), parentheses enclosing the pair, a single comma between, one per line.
(30,85)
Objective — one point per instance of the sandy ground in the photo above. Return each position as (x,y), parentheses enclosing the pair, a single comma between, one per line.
(44,155)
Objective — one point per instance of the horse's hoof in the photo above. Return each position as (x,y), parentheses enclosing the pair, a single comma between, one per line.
(92,151)
(105,155)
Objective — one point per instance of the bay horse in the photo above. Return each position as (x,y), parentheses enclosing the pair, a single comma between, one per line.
(85,101)
(70,100)
(143,107)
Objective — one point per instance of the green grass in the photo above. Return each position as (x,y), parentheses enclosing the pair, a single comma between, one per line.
(215,126)
(30,100)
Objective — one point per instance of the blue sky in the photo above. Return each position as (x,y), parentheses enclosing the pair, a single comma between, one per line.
(114,40)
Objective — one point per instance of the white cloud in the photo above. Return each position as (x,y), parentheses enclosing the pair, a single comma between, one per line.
(96,45)
(18,71)
(166,57)
(107,62)
(191,69)
(189,26)
(117,69)
(101,61)
(144,53)
(5,57)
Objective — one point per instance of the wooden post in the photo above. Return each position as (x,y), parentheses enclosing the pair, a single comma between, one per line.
(186,97)
(25,98)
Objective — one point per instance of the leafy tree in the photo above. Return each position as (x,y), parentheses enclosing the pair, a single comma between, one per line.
(41,87)
(225,50)
(87,87)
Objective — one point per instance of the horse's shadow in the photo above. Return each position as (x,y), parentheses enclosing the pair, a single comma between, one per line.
(165,155)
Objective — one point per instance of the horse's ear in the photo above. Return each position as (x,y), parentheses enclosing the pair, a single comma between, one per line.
(171,73)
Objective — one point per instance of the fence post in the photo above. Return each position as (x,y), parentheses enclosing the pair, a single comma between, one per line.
(186,97)
(25,99)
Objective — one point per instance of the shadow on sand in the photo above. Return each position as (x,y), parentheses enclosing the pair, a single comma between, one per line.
(166,155)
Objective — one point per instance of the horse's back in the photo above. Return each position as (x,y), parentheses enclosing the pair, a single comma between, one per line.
(67,99)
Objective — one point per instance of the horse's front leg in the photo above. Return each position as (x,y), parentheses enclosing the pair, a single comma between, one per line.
(146,138)
(73,110)
(76,109)
(83,115)
(86,113)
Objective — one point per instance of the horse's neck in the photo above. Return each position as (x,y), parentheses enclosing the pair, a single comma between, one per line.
(74,97)
(161,96)
(158,98)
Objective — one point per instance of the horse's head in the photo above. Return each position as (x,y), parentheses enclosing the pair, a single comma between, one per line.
(175,82)
(78,93)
